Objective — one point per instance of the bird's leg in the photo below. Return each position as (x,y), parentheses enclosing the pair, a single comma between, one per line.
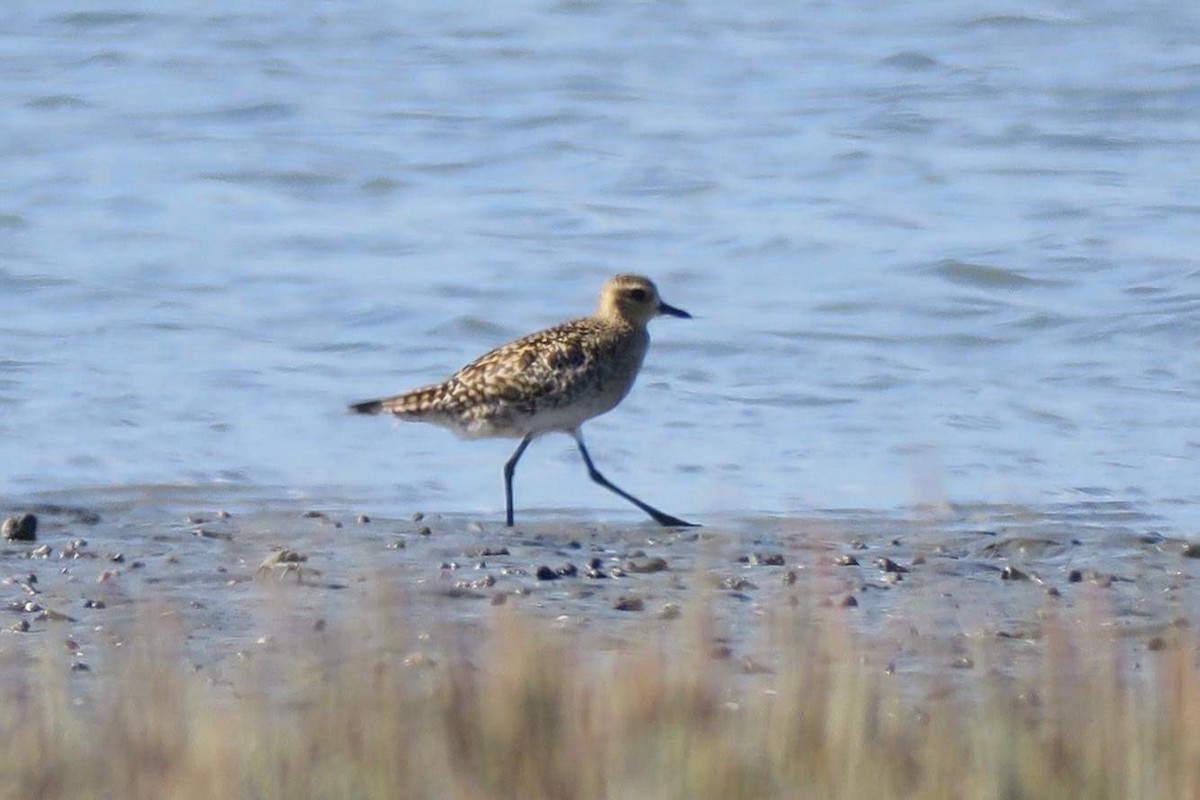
(510,467)
(666,520)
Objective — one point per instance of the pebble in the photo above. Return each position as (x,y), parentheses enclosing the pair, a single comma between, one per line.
(765,559)
(21,626)
(362,519)
(846,560)
(20,528)
(887,565)
(849,601)
(491,550)
(628,603)
(396,545)
(424,531)
(89,603)
(736,584)
(418,516)
(567,570)
(40,552)
(962,662)
(1156,644)
(645,565)
(1075,576)
(1011,573)
(80,666)
(670,611)
(545,573)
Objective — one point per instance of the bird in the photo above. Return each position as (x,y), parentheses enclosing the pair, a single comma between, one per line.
(550,381)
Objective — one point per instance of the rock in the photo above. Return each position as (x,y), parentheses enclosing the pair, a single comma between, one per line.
(645,565)
(567,570)
(491,550)
(670,611)
(627,603)
(736,584)
(887,565)
(545,573)
(849,601)
(1156,644)
(362,519)
(765,559)
(846,560)
(1075,576)
(1011,573)
(20,528)
(1190,550)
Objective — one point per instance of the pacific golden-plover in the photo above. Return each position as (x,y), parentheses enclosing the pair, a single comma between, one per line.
(552,380)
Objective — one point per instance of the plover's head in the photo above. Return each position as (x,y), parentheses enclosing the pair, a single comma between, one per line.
(634,299)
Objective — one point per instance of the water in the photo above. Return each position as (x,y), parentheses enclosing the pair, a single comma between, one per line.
(936,253)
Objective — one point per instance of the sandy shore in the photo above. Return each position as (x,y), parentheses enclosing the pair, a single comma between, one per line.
(942,592)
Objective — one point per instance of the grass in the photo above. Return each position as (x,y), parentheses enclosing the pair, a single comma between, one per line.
(534,712)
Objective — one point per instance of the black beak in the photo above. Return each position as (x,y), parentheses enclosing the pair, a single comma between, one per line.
(663,308)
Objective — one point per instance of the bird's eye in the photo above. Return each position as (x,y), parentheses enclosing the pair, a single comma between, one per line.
(638,294)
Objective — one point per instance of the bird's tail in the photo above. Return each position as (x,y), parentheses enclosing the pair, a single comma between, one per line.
(414,404)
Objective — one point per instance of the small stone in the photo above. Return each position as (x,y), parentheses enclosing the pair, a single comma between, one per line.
(962,662)
(20,626)
(1156,644)
(424,531)
(362,519)
(790,577)
(545,573)
(80,666)
(41,552)
(567,570)
(670,611)
(88,603)
(396,545)
(117,558)
(418,516)
(1075,576)
(20,528)
(849,601)
(766,559)
(645,565)
(1011,573)
(887,565)
(1053,591)
(223,515)
(892,578)
(627,603)
(491,550)
(736,584)
(846,560)
(314,515)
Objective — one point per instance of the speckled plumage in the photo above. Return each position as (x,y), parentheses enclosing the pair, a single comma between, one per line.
(552,380)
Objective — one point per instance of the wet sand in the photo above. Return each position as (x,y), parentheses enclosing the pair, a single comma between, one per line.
(939,593)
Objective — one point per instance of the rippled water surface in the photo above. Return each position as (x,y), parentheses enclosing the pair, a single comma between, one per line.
(936,252)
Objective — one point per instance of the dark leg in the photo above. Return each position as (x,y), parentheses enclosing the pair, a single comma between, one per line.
(665,520)
(510,467)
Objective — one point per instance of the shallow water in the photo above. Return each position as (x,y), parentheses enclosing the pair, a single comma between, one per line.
(935,253)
